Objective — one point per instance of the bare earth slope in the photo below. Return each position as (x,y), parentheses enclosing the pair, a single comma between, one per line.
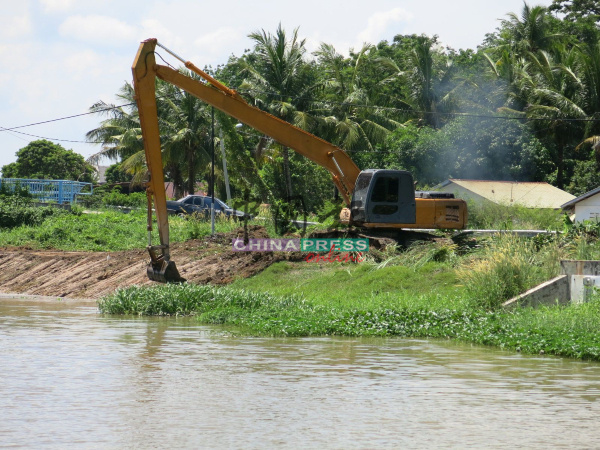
(92,275)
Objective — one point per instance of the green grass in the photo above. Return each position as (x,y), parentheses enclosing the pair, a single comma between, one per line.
(488,215)
(339,283)
(105,231)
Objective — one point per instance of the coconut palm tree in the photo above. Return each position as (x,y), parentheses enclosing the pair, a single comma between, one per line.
(277,80)
(531,31)
(184,123)
(120,133)
(431,86)
(350,114)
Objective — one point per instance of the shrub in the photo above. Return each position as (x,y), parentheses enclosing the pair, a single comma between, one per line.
(488,215)
(116,198)
(508,267)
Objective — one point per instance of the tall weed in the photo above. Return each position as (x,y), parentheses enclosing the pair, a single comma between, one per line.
(508,266)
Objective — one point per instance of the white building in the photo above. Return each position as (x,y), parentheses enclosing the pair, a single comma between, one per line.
(524,193)
(586,207)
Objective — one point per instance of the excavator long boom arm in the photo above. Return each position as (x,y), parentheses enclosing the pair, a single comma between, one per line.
(145,70)
(325,154)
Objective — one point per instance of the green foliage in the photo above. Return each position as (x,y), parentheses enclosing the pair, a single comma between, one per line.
(101,231)
(586,177)
(116,174)
(492,216)
(133,200)
(507,268)
(16,209)
(480,149)
(45,160)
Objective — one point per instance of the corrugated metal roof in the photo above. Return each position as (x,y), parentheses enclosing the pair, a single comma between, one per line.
(529,194)
(582,197)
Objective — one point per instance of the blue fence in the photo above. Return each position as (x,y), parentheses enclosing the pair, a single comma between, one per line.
(59,191)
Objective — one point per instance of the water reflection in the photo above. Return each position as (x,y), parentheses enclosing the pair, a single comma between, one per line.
(69,376)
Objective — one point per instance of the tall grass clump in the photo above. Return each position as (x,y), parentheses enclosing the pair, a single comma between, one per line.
(489,215)
(419,254)
(508,266)
(198,224)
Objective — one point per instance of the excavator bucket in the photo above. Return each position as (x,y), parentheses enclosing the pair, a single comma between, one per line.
(161,268)
(164,272)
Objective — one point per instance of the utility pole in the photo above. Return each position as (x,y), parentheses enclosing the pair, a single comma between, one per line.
(224,165)
(212,193)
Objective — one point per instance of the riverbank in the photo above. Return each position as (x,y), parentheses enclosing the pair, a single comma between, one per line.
(94,274)
(434,290)
(559,330)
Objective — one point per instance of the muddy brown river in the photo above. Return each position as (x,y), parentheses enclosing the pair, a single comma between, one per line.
(72,378)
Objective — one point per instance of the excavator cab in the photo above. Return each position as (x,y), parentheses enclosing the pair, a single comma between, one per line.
(384,196)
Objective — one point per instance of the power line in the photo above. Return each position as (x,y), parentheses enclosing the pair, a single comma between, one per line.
(324,102)
(66,117)
(48,138)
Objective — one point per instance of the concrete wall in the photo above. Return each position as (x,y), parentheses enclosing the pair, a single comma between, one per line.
(556,290)
(588,209)
(569,286)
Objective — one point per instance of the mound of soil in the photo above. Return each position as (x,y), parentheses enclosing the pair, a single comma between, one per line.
(92,275)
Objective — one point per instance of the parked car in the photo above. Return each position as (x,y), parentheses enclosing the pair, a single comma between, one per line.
(201,204)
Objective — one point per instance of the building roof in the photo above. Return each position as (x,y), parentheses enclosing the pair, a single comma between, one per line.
(528,194)
(581,197)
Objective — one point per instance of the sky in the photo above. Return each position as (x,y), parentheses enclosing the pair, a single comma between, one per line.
(59,57)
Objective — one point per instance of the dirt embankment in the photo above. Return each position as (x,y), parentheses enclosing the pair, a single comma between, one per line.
(92,275)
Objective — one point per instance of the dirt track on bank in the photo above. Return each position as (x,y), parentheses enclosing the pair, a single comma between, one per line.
(92,275)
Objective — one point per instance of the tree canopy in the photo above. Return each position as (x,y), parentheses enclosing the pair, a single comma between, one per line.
(524,106)
(43,159)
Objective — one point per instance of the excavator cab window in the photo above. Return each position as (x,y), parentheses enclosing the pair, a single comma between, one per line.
(359,197)
(385,190)
(392,198)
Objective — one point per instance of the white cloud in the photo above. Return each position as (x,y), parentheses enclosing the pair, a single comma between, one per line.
(57,5)
(152,28)
(98,29)
(378,24)
(15,26)
(222,38)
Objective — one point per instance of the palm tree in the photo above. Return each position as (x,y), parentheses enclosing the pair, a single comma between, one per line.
(531,31)
(431,86)
(120,132)
(185,132)
(277,81)
(184,123)
(351,113)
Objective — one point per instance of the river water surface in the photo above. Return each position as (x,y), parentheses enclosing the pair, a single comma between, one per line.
(72,378)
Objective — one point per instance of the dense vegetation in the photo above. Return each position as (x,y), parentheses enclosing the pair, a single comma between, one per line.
(43,159)
(517,108)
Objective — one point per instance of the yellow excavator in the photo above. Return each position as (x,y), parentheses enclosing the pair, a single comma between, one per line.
(377,200)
